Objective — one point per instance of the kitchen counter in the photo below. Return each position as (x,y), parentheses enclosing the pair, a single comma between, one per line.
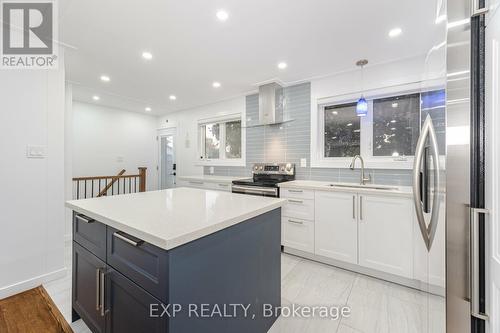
(179,247)
(211,179)
(404,191)
(173,217)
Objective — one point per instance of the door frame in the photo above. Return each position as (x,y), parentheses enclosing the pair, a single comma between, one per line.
(162,132)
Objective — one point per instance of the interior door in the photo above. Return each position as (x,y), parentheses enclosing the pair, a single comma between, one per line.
(493,159)
(168,166)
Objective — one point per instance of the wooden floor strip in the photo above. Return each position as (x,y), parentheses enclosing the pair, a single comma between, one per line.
(32,311)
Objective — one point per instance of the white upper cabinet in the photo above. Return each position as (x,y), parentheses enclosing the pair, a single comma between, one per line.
(336,228)
(385,234)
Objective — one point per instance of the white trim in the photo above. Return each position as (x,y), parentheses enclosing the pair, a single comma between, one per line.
(162,132)
(222,161)
(31,283)
(366,127)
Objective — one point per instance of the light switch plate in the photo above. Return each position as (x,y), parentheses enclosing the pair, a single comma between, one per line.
(35,151)
(303,162)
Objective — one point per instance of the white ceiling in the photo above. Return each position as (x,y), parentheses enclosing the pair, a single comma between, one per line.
(191,48)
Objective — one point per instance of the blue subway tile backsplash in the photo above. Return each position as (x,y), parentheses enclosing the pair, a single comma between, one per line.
(290,141)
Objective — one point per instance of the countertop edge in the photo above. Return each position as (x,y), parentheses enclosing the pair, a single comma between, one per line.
(211,180)
(168,244)
(322,187)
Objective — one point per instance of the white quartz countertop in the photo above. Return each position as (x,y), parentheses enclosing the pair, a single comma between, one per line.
(405,191)
(173,217)
(211,179)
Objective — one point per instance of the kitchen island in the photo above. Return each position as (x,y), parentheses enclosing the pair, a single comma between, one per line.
(177,260)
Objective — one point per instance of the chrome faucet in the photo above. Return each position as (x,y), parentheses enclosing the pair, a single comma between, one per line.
(352,166)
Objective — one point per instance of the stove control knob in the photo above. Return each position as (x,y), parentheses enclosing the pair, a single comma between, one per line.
(256,167)
(261,168)
(288,167)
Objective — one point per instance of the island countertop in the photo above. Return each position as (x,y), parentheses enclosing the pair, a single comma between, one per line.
(173,217)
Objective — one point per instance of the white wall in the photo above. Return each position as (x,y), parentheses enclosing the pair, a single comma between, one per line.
(32,195)
(186,122)
(107,140)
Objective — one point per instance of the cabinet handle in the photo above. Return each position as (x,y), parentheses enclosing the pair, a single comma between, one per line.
(353,206)
(83,218)
(295,222)
(295,191)
(97,289)
(103,285)
(361,207)
(295,201)
(127,240)
(196,183)
(223,185)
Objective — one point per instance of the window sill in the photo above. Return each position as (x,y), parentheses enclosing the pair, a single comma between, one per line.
(236,163)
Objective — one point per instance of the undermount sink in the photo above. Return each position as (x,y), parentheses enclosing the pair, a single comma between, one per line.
(368,186)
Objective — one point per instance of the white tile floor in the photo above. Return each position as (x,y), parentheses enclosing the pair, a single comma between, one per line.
(376,305)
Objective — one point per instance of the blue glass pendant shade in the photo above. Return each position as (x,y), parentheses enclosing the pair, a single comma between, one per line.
(362,107)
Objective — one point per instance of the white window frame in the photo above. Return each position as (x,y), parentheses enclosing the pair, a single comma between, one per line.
(366,126)
(221,161)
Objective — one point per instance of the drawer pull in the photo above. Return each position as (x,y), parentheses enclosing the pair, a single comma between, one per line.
(223,185)
(295,222)
(295,191)
(103,294)
(126,239)
(84,219)
(296,201)
(196,183)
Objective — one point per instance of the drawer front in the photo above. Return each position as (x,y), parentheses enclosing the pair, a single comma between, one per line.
(191,183)
(299,208)
(90,234)
(297,234)
(143,263)
(219,186)
(296,193)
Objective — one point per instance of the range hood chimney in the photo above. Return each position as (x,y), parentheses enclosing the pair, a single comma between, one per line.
(271,100)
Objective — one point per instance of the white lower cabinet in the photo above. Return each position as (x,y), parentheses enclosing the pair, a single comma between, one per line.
(204,185)
(297,234)
(385,234)
(336,227)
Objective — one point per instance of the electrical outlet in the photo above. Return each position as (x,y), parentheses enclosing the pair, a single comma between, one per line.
(303,162)
(35,152)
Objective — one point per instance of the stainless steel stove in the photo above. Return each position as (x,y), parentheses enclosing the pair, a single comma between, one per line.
(265,180)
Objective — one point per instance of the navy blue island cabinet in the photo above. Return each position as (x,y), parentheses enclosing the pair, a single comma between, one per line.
(228,281)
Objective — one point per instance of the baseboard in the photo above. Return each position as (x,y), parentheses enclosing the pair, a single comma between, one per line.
(31,283)
(415,284)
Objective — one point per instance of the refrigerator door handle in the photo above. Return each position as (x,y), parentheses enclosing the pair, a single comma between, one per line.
(428,232)
(474,262)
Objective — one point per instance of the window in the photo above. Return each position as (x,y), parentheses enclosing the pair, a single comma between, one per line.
(342,131)
(221,141)
(386,137)
(396,125)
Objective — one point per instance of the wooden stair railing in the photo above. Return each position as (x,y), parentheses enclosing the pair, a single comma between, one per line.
(98,186)
(115,178)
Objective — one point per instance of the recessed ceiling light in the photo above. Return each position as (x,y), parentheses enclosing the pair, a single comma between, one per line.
(222,15)
(335,112)
(96,98)
(395,32)
(105,78)
(147,109)
(393,128)
(216,84)
(350,124)
(282,65)
(393,121)
(395,105)
(147,55)
(172,97)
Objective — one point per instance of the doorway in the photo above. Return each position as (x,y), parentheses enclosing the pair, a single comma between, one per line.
(167,163)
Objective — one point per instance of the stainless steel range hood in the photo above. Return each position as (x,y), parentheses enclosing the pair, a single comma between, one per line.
(271,104)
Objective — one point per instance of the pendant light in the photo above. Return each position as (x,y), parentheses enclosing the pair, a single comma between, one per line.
(362,105)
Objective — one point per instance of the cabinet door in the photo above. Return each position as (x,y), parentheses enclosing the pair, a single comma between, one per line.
(86,293)
(297,234)
(128,307)
(336,228)
(385,234)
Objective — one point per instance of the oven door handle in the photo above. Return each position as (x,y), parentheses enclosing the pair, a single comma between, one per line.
(254,190)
